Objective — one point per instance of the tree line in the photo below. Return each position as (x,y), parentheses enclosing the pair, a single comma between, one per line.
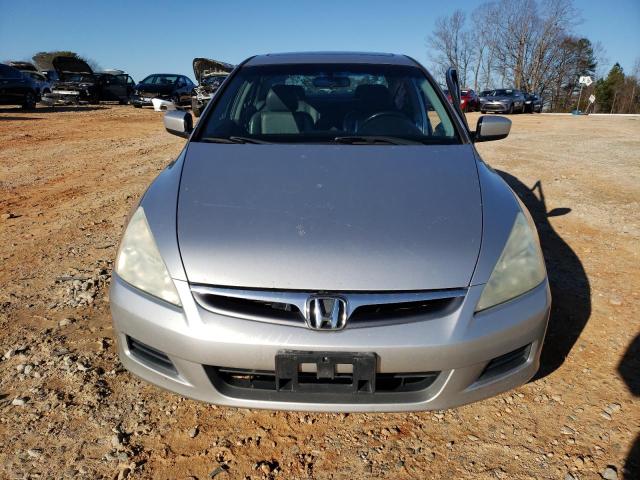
(530,45)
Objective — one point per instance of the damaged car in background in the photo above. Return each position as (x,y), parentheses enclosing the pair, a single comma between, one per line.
(209,74)
(76,83)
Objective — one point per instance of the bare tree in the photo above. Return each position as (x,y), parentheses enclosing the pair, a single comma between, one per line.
(526,44)
(452,45)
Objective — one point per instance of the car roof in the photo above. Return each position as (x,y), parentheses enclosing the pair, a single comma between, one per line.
(330,57)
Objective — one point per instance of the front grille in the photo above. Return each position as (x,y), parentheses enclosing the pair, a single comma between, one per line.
(363,309)
(261,385)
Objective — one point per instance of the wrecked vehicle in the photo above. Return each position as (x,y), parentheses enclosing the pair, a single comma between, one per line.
(165,86)
(209,74)
(40,80)
(76,83)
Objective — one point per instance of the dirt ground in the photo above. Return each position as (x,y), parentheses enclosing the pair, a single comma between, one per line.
(68,409)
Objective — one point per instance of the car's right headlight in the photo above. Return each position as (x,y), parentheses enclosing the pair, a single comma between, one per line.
(140,264)
(519,269)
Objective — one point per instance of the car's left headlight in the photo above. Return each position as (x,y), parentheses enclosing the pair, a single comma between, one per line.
(520,267)
(140,264)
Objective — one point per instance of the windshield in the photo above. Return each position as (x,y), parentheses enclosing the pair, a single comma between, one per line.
(502,93)
(214,80)
(77,77)
(160,80)
(329,103)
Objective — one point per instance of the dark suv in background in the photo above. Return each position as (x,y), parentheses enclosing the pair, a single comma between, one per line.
(40,80)
(17,88)
(533,103)
(115,87)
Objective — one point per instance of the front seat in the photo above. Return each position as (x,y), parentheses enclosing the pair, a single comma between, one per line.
(370,99)
(280,115)
(303,105)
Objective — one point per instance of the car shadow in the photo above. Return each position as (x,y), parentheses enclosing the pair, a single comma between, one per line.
(629,370)
(55,109)
(570,288)
(19,118)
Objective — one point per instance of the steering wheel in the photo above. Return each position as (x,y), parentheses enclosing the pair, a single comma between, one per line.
(388,114)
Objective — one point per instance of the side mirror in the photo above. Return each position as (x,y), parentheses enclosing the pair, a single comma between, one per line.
(179,123)
(492,128)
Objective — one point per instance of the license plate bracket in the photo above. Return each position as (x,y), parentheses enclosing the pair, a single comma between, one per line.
(327,377)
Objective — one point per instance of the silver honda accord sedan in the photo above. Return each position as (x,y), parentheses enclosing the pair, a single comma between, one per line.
(329,239)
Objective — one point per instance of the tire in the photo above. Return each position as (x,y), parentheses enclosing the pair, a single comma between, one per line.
(29,102)
(137,105)
(483,111)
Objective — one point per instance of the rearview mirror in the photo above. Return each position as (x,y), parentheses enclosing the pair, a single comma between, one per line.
(179,123)
(492,128)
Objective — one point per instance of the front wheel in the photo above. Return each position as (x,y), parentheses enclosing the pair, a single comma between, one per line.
(483,111)
(137,105)
(29,102)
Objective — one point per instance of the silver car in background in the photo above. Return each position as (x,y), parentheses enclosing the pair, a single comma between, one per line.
(329,239)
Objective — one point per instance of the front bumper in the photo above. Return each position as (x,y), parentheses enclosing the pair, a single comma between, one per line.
(145,99)
(459,346)
(495,107)
(65,97)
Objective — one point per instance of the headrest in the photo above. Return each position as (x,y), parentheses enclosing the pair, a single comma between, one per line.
(282,98)
(373,97)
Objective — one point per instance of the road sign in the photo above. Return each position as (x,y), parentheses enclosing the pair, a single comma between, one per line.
(586,80)
(592,98)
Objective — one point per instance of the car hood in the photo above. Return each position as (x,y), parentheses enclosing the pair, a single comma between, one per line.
(207,66)
(324,217)
(155,89)
(499,98)
(71,65)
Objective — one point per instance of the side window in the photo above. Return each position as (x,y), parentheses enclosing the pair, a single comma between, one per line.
(180,83)
(130,81)
(438,122)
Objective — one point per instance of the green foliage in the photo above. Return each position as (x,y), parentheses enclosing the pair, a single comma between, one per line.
(606,88)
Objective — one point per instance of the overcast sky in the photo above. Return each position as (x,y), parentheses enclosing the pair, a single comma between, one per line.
(144,37)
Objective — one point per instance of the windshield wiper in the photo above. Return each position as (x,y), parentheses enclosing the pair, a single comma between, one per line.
(232,139)
(375,140)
